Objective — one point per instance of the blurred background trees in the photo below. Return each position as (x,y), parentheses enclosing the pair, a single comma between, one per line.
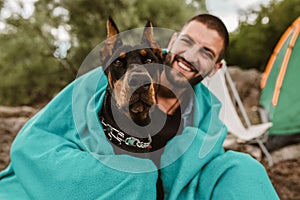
(42,51)
(259,31)
(42,47)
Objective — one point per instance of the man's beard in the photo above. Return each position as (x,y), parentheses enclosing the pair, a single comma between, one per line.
(176,78)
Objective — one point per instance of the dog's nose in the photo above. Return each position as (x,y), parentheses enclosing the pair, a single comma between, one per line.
(140,81)
(146,86)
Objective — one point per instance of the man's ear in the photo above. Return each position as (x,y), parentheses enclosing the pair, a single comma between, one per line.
(113,40)
(218,66)
(172,40)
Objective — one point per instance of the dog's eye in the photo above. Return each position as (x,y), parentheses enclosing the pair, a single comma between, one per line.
(118,63)
(148,61)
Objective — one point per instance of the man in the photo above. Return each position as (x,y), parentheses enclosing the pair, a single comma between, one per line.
(195,52)
(211,173)
(193,165)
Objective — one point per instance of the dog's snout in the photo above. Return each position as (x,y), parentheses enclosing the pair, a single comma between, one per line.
(139,80)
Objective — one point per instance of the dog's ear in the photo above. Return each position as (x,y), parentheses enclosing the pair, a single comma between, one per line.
(113,40)
(148,39)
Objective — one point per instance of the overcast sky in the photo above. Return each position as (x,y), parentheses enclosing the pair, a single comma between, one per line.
(228,10)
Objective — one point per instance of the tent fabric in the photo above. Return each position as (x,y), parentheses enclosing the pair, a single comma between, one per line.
(62,153)
(280,96)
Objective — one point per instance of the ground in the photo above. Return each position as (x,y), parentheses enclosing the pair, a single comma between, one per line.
(285,175)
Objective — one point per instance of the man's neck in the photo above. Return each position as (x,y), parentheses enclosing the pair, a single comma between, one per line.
(170,95)
(167,101)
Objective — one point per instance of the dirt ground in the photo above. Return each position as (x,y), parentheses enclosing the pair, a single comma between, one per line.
(285,177)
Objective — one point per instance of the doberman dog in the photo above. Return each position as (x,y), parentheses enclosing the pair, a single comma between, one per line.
(131,95)
(131,91)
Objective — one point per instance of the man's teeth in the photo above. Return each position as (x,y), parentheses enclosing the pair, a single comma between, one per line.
(183,66)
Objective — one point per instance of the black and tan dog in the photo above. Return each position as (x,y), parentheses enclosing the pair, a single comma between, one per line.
(133,74)
(131,92)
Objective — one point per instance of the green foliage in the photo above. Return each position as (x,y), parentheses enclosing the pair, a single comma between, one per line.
(30,73)
(253,43)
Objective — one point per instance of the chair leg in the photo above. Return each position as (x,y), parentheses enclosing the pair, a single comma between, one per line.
(264,117)
(266,152)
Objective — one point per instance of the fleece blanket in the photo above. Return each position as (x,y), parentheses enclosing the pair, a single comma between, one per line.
(62,153)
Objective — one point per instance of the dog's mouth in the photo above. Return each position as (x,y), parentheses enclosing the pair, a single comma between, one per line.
(141,102)
(139,107)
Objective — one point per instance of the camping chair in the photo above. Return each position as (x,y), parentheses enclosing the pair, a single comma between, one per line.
(228,114)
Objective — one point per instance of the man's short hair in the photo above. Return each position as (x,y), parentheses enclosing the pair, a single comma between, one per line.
(214,23)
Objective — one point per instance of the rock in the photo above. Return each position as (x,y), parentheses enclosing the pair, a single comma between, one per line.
(23,111)
(286,153)
(231,143)
(13,124)
(247,84)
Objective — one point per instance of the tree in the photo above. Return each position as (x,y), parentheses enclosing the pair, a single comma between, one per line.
(253,43)
(29,71)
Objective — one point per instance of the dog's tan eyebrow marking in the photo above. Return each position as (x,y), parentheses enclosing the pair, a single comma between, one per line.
(122,55)
(143,52)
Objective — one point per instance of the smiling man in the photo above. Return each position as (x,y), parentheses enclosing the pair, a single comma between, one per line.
(208,171)
(194,53)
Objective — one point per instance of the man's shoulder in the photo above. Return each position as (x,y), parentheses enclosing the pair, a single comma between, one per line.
(205,97)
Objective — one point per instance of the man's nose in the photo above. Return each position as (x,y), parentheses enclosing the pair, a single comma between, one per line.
(191,54)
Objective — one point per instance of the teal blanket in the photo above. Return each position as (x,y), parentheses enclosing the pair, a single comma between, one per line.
(62,153)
